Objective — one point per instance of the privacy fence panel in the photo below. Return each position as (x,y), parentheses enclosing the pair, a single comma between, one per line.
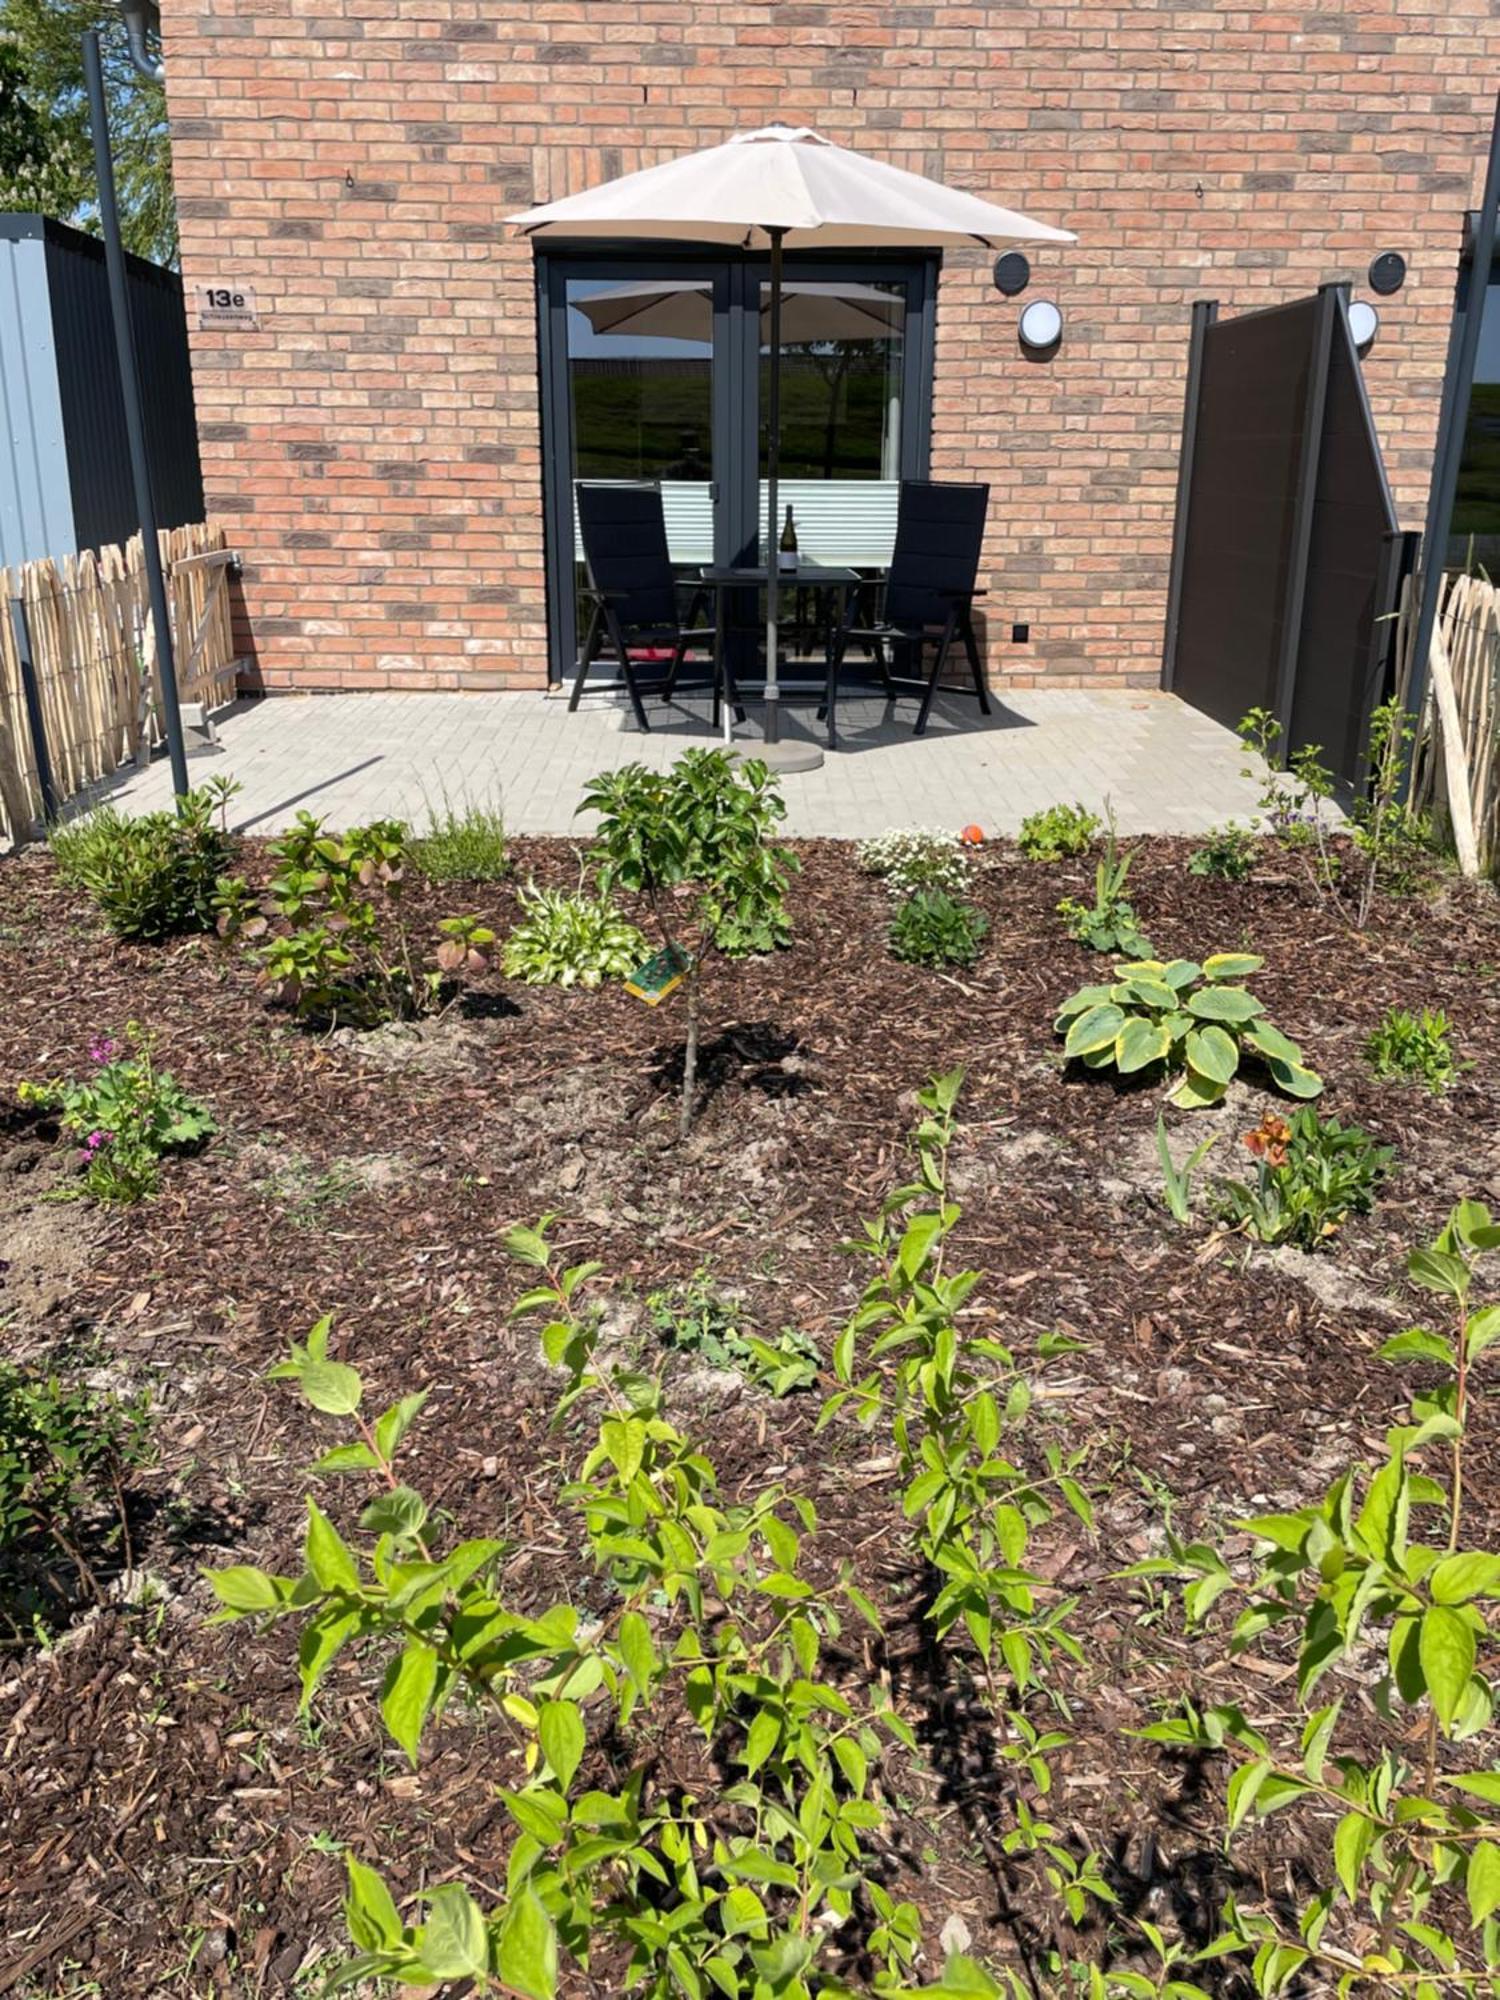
(87,620)
(1281,563)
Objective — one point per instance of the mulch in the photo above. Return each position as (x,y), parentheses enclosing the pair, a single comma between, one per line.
(168,1826)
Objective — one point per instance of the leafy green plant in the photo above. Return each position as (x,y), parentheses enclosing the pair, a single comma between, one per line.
(127,1116)
(65,1453)
(1058,833)
(740,1892)
(1186,1017)
(697,1319)
(1177,1182)
(695,840)
(916,857)
(152,877)
(934,928)
(1395,842)
(1312,1173)
(330,935)
(1110,924)
(462,843)
(577,940)
(1409,1047)
(1227,854)
(1388,1601)
(1293,800)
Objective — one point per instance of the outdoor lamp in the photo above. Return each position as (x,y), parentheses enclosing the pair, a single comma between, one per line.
(1364,323)
(1041,325)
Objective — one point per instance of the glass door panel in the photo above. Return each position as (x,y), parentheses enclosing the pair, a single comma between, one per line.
(640,376)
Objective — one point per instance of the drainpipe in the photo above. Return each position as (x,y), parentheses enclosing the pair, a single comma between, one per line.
(143,18)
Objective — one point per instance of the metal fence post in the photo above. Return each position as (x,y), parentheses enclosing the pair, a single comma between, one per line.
(31,695)
(1305,500)
(1205,312)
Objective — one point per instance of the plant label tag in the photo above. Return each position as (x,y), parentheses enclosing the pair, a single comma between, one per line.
(659,976)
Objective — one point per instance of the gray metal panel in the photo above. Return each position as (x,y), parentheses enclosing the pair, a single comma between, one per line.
(36,508)
(93,413)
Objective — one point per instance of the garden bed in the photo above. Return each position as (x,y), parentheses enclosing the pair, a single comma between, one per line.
(168,1826)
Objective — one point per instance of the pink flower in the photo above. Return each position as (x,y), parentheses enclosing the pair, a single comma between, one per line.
(101,1050)
(94,1141)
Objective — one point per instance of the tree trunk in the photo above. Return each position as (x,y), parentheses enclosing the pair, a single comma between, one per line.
(690,1057)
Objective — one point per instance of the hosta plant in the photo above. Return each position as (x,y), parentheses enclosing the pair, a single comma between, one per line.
(1390,1606)
(571,940)
(1190,1020)
(126,1116)
(1311,1174)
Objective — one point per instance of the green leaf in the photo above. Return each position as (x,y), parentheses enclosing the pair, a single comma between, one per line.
(455,1944)
(1094,1031)
(1231,965)
(331,1386)
(406,1697)
(400,1512)
(1195,1092)
(329,1560)
(321,1640)
(1417,1344)
(637,1650)
(1139,1043)
(1270,1042)
(1478,1784)
(527,1955)
(760,1740)
(560,1728)
(1213,1053)
(346,1458)
(1294,1078)
(527,1246)
(1458,1578)
(1483,1881)
(1446,1651)
(1353,1838)
(1223,1003)
(1439,1271)
(373,1919)
(1482,1330)
(624,1438)
(243,1588)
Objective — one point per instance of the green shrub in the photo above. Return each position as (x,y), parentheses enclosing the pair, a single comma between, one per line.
(126,1117)
(152,877)
(1227,854)
(1058,834)
(934,928)
(1311,1174)
(1409,1047)
(696,840)
(330,934)
(462,844)
(1381,1593)
(577,940)
(915,857)
(1184,1016)
(65,1450)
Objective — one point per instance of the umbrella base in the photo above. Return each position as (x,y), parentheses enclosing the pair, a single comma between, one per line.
(783,756)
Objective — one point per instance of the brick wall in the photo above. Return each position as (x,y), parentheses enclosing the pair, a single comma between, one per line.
(374,451)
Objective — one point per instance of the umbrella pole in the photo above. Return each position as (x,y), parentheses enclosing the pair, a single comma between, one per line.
(780,756)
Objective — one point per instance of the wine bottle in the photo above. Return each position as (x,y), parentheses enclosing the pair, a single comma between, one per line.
(787,559)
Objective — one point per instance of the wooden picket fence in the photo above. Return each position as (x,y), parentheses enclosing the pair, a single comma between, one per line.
(89,621)
(1456,770)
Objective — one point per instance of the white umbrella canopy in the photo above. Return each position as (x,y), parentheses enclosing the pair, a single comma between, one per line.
(784,187)
(789,179)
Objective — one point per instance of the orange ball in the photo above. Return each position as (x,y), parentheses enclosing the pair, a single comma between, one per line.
(972,836)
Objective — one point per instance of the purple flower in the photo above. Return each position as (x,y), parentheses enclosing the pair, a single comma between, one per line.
(101,1050)
(94,1141)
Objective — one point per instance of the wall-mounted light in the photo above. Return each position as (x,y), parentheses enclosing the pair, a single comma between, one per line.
(1041,326)
(1364,323)
(1012,273)
(1388,273)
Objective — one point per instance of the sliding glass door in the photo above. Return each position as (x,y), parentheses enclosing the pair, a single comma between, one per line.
(655,368)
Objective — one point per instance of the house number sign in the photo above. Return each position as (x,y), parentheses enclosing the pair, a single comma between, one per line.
(228,306)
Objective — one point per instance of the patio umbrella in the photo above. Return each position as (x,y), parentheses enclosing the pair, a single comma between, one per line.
(783,187)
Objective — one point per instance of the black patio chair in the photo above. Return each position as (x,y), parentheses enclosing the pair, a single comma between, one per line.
(929,598)
(634,595)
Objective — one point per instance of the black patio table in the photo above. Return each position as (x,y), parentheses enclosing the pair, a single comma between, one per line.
(723,577)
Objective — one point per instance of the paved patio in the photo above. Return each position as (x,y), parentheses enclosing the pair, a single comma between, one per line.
(1164,767)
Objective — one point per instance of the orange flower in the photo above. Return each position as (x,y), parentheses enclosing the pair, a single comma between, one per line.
(1269,1140)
